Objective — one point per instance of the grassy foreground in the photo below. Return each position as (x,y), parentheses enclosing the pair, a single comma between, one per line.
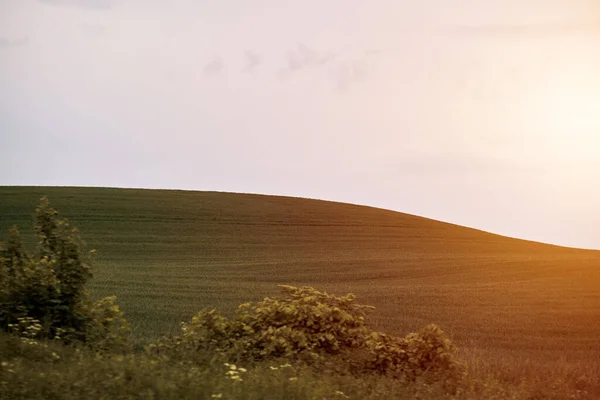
(51,371)
(524,313)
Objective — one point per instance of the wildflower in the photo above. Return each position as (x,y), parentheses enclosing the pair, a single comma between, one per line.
(217,396)
(56,356)
(235,377)
(285,365)
(293,379)
(4,363)
(242,370)
(274,368)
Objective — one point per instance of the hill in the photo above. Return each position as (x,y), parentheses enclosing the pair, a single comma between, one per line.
(167,254)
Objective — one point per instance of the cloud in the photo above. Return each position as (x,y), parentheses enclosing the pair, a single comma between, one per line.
(85,4)
(342,68)
(519,30)
(305,57)
(214,66)
(253,60)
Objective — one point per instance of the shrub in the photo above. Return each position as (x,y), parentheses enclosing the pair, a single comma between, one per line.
(302,322)
(107,328)
(427,354)
(48,286)
(307,324)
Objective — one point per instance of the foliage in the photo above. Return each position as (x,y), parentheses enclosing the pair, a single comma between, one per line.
(302,322)
(427,353)
(107,328)
(48,286)
(309,325)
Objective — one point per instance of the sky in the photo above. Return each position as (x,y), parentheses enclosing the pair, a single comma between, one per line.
(481,113)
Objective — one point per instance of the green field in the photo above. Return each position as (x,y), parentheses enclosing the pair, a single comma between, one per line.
(167,254)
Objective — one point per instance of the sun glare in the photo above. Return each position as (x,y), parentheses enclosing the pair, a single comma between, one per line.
(568,118)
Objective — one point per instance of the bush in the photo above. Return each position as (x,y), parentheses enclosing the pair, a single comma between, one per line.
(302,322)
(308,325)
(427,354)
(107,328)
(48,286)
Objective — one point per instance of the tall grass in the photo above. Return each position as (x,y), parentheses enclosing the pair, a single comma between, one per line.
(49,370)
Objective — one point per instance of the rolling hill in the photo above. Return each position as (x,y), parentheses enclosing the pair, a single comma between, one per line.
(167,254)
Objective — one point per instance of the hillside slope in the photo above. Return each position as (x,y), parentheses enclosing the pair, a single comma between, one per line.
(167,254)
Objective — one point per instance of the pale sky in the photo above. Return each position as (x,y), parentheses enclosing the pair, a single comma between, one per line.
(481,113)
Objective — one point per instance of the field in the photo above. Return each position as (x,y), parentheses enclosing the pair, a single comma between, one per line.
(168,254)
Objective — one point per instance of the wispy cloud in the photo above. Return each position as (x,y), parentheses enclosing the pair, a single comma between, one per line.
(86,4)
(214,66)
(519,30)
(253,60)
(303,57)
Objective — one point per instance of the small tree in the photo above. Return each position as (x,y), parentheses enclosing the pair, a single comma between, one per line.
(48,286)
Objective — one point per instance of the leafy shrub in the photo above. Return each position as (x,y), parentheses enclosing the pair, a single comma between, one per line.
(302,322)
(48,286)
(107,327)
(307,324)
(426,354)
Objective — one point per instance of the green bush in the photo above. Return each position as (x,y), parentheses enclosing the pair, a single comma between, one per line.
(46,288)
(303,322)
(107,329)
(313,326)
(426,354)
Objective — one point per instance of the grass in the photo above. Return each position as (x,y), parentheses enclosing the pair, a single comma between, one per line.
(47,370)
(166,254)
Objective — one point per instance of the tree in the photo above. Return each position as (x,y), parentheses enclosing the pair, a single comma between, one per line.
(48,286)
